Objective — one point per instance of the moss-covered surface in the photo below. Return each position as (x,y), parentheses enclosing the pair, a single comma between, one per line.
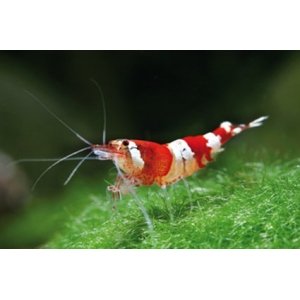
(231,204)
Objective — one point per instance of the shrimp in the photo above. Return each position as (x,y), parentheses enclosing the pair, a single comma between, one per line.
(144,163)
(141,162)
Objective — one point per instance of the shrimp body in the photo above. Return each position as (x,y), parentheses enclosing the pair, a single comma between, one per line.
(146,163)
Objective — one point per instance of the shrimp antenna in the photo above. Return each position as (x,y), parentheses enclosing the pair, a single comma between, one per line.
(77,167)
(57,118)
(104,109)
(56,163)
(25,160)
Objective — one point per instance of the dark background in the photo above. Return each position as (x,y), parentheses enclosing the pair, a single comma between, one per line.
(154,95)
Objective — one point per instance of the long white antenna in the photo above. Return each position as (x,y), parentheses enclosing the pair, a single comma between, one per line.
(104,110)
(77,167)
(25,160)
(57,118)
(56,163)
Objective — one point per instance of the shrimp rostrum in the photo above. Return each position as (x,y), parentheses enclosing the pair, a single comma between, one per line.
(142,162)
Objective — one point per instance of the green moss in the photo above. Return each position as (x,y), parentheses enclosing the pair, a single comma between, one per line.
(246,205)
(240,201)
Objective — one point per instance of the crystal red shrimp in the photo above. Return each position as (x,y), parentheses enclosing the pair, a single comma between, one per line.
(142,162)
(145,163)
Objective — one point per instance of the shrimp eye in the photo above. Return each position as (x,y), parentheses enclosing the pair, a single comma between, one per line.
(125,143)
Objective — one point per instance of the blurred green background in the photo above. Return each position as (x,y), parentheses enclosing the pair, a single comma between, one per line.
(154,95)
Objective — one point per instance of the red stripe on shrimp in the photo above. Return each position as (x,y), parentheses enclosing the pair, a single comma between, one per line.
(198,144)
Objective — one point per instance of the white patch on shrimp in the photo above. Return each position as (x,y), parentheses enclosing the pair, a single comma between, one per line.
(213,141)
(181,149)
(258,122)
(184,162)
(102,155)
(236,130)
(226,125)
(135,153)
